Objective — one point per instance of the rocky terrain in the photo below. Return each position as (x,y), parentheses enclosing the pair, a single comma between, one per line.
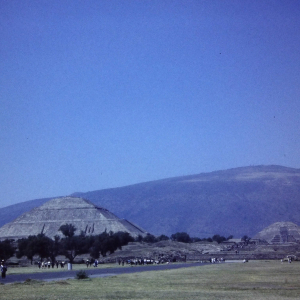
(203,251)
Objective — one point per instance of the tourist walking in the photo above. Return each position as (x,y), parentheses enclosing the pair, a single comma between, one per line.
(3,269)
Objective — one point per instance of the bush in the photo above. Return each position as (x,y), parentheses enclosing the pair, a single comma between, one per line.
(163,238)
(81,275)
(218,238)
(181,237)
(149,238)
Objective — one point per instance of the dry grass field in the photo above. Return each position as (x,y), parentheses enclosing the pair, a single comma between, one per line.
(253,280)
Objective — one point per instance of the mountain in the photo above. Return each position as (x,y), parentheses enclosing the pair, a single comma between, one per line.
(239,201)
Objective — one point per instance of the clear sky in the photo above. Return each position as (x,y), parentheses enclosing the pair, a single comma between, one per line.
(99,94)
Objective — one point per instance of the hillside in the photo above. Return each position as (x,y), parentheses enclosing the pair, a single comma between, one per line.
(237,201)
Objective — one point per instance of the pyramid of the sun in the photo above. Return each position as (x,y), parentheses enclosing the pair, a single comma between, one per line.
(280,233)
(83,214)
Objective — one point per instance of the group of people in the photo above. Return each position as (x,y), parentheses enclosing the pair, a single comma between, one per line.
(89,263)
(214,260)
(3,269)
(47,264)
(140,261)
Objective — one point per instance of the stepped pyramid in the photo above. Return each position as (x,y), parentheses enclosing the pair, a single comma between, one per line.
(280,233)
(83,214)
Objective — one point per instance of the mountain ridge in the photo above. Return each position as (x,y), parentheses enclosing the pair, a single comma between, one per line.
(236,201)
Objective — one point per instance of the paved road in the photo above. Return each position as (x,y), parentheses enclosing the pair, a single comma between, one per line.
(93,272)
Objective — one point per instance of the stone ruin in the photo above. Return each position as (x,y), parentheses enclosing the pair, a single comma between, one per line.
(83,214)
(279,233)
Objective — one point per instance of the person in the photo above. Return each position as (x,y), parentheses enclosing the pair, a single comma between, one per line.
(3,269)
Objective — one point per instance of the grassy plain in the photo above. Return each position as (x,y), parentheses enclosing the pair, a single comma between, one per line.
(253,280)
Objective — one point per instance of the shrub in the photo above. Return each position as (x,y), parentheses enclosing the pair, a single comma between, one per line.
(181,237)
(81,275)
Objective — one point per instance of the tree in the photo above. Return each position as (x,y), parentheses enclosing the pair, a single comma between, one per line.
(7,249)
(100,245)
(42,246)
(27,247)
(181,237)
(218,238)
(139,238)
(95,249)
(149,238)
(163,238)
(68,230)
(72,245)
(54,247)
(124,238)
(229,237)
(109,242)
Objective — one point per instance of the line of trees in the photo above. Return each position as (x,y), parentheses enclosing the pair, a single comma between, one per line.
(182,237)
(71,245)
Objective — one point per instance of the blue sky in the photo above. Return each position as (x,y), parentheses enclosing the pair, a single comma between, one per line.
(101,94)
